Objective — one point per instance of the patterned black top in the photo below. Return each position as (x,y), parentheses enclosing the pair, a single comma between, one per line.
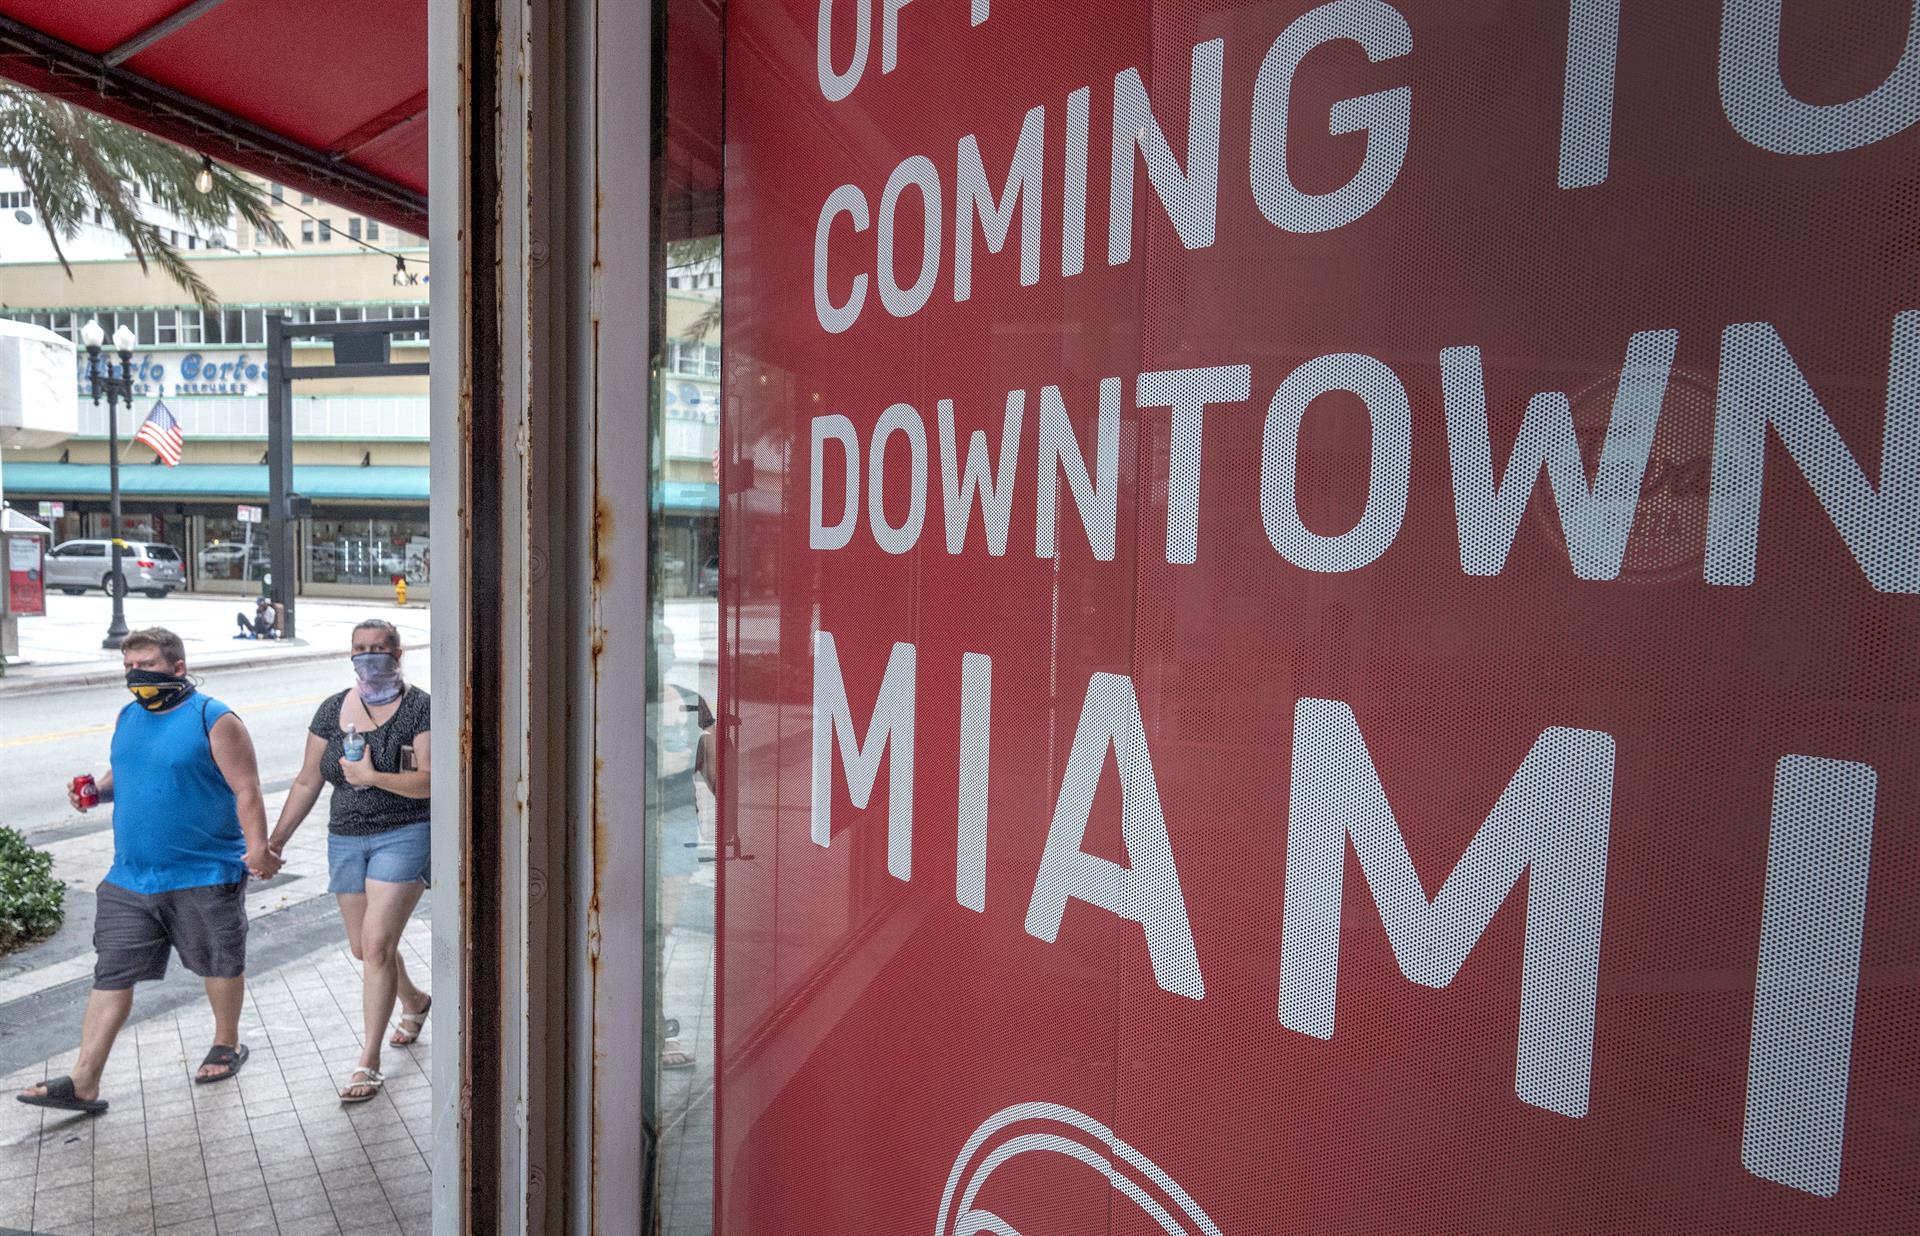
(359,812)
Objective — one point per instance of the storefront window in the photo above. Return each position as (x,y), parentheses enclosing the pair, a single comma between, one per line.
(1319,619)
(233,550)
(685,833)
(682,808)
(355,550)
(135,524)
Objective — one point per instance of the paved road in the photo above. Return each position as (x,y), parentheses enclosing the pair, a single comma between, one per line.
(46,739)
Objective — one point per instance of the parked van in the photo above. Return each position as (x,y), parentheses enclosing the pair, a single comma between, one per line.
(145,566)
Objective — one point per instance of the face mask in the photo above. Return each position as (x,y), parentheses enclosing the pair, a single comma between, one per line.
(155,691)
(379,675)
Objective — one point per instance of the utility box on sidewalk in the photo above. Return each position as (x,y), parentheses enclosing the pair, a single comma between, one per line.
(23,552)
(26,564)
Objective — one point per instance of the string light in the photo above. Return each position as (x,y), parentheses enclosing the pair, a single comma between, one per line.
(355,239)
(203,181)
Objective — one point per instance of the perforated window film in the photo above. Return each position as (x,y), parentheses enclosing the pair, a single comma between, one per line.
(1321,618)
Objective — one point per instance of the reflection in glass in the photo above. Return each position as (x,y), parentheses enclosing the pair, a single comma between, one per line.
(683,734)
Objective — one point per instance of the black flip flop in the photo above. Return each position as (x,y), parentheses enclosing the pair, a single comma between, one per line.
(229,1058)
(60,1097)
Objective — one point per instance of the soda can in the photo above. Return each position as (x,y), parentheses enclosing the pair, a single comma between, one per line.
(86,791)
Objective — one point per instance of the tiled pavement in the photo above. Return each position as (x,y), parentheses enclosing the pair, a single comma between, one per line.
(686,1095)
(275,1151)
(271,1152)
(687,970)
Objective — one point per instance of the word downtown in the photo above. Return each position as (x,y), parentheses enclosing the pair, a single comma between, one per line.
(1761,386)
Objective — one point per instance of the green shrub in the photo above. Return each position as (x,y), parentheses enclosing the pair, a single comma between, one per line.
(31,899)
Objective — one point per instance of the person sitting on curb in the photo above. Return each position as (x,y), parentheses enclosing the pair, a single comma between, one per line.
(263,625)
(189,823)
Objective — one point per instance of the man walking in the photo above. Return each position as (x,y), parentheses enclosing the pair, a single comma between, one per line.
(188,825)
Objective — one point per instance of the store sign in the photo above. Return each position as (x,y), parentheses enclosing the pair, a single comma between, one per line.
(52,510)
(249,514)
(162,374)
(692,400)
(1355,571)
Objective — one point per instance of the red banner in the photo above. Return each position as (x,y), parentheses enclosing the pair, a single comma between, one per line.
(1324,614)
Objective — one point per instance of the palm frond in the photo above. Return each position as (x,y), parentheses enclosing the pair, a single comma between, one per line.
(699,251)
(81,167)
(692,255)
(705,324)
(176,267)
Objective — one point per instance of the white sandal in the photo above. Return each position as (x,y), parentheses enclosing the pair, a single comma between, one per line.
(412,1025)
(372,1079)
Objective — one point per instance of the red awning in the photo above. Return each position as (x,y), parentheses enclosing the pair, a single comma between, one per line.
(327,98)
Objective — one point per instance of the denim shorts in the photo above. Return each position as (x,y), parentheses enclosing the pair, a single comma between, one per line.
(400,855)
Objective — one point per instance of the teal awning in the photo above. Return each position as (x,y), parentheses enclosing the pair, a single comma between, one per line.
(337,482)
(689,496)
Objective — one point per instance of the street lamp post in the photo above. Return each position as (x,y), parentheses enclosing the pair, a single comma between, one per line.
(100,377)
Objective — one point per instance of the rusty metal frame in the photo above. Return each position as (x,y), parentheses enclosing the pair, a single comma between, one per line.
(624,268)
(542,228)
(465,465)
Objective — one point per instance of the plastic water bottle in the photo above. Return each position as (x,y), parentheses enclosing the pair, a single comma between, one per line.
(353,747)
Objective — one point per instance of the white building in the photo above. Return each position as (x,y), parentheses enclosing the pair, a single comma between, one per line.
(23,235)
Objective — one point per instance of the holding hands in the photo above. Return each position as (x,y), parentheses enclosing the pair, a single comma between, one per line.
(264,863)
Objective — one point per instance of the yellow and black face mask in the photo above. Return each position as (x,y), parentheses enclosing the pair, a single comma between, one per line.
(155,691)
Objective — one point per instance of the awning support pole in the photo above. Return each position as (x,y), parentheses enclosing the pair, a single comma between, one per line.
(157,31)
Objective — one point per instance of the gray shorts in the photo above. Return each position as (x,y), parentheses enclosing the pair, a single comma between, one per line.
(132,933)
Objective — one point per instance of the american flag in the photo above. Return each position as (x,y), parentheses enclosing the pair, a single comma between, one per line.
(162,432)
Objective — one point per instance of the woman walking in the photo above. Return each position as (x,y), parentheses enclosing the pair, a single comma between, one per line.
(371,743)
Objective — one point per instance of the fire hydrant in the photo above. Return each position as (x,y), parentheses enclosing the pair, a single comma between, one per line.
(399,590)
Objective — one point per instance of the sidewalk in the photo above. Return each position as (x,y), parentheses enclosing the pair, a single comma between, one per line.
(83,852)
(275,1152)
(62,651)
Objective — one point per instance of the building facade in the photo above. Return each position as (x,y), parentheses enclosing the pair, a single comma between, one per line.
(360,449)
(24,239)
(687,477)
(360,445)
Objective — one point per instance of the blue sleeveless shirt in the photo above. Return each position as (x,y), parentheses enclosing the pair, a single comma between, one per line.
(174,822)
